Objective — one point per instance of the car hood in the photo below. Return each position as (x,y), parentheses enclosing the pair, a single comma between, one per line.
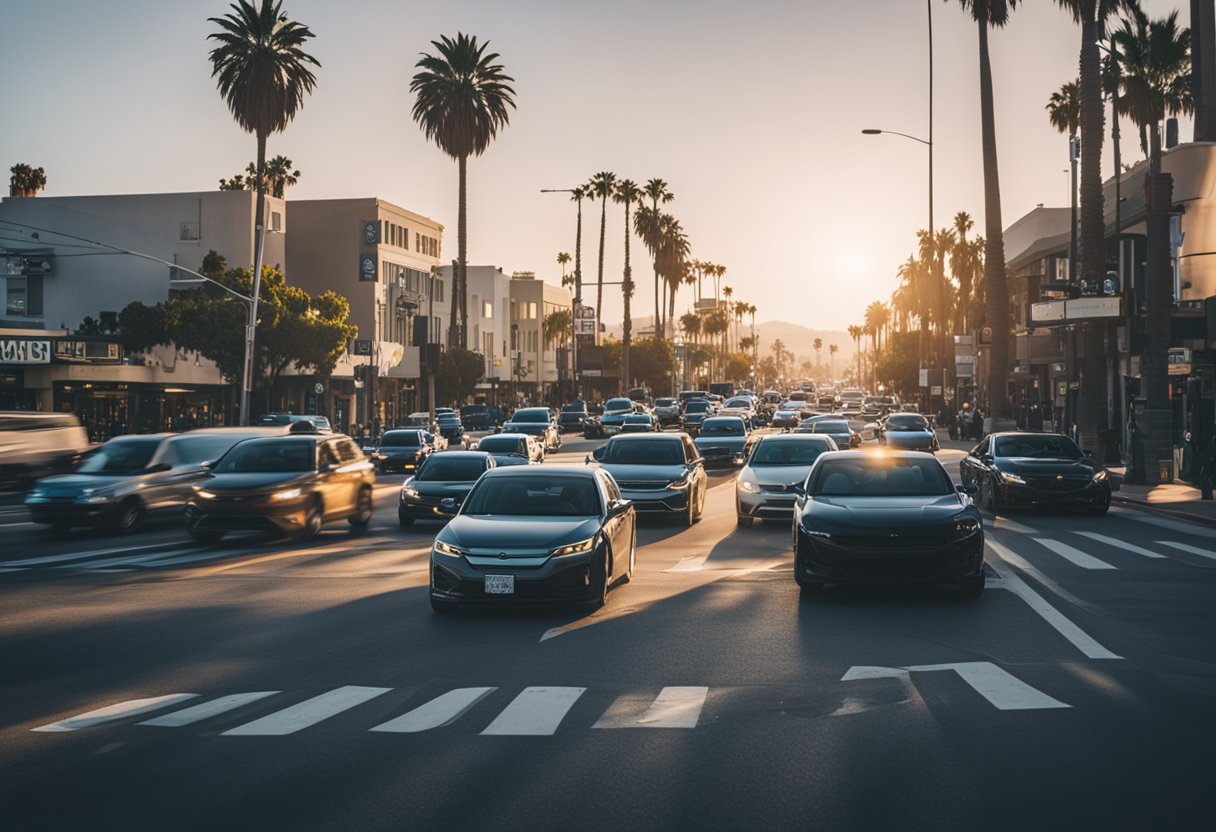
(517,535)
(1047,467)
(441,488)
(253,482)
(644,473)
(735,442)
(71,485)
(778,474)
(868,513)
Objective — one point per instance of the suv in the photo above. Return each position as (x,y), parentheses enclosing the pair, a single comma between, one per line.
(33,445)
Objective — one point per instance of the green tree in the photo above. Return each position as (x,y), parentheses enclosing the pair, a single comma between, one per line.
(658,193)
(601,186)
(563,258)
(626,193)
(278,178)
(654,362)
(459,372)
(463,99)
(137,326)
(556,326)
(26,180)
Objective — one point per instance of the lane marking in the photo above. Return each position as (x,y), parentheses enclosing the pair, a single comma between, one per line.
(536,712)
(1072,554)
(1002,689)
(674,707)
(1005,524)
(1121,544)
(125,561)
(1143,516)
(689,564)
(1186,547)
(1062,625)
(307,713)
(206,710)
(18,569)
(112,713)
(84,555)
(440,711)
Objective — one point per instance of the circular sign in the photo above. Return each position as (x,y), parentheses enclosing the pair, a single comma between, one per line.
(371,232)
(318,388)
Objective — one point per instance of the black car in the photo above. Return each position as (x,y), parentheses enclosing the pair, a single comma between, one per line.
(440,485)
(695,412)
(538,423)
(402,451)
(1026,469)
(892,518)
(910,431)
(286,484)
(572,416)
(512,449)
(451,428)
(723,440)
(529,533)
(639,423)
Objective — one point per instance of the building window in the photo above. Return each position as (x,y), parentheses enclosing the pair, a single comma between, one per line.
(487,309)
(439,290)
(276,221)
(15,302)
(189,230)
(531,310)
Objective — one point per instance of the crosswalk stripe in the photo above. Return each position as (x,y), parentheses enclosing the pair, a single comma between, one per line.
(1072,554)
(1120,544)
(112,713)
(18,569)
(1186,547)
(1004,524)
(440,711)
(206,710)
(1004,690)
(307,713)
(674,707)
(536,712)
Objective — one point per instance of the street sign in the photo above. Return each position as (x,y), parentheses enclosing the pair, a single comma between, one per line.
(371,232)
(363,346)
(584,326)
(935,390)
(986,335)
(318,388)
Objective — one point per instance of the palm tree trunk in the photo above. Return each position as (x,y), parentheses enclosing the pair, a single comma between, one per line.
(1092,408)
(627,289)
(454,295)
(578,297)
(994,246)
(259,237)
(599,278)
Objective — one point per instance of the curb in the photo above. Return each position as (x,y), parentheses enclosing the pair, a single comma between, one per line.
(1177,515)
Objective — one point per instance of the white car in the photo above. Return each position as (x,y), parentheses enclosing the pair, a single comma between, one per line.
(769,484)
(741,406)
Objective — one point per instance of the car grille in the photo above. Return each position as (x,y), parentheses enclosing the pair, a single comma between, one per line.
(899,568)
(892,541)
(778,489)
(641,485)
(1052,484)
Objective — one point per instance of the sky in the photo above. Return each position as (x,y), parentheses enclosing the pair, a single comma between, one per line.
(751,112)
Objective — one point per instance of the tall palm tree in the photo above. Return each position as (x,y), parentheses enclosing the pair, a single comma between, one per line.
(817,345)
(855,334)
(563,259)
(658,193)
(995,14)
(966,261)
(463,100)
(1064,113)
(626,193)
(262,73)
(26,180)
(601,187)
(832,350)
(729,292)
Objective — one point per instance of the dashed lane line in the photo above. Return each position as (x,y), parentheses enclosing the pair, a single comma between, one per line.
(1072,554)
(206,710)
(113,713)
(1120,544)
(1186,547)
(536,712)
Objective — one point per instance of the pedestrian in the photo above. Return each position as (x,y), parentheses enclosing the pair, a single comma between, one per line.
(1207,469)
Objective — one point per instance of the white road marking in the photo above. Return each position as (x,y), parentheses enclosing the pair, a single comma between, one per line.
(13,570)
(1001,688)
(307,713)
(674,707)
(536,712)
(1152,520)
(112,713)
(1005,524)
(1186,547)
(873,672)
(206,710)
(123,561)
(440,711)
(83,555)
(1078,637)
(11,525)
(1120,544)
(1072,554)
(690,564)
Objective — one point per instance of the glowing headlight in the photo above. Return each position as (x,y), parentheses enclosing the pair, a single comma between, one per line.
(289,494)
(749,486)
(816,533)
(574,548)
(409,491)
(1099,476)
(36,493)
(94,495)
(966,526)
(1013,478)
(204,494)
(447,549)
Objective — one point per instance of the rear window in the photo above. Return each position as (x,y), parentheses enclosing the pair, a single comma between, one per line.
(619,404)
(907,423)
(401,439)
(580,407)
(444,468)
(826,426)
(664,402)
(785,452)
(531,415)
(500,445)
(698,406)
(723,427)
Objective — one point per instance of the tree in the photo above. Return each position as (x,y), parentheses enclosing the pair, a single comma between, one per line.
(657,192)
(261,71)
(817,345)
(995,14)
(459,372)
(832,350)
(966,264)
(463,100)
(738,366)
(626,193)
(137,326)
(556,326)
(855,334)
(654,362)
(563,258)
(278,177)
(26,180)
(601,186)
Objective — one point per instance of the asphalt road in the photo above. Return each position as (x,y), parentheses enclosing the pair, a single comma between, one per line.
(273,684)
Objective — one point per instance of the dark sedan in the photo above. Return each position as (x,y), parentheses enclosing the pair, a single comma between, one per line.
(639,423)
(512,449)
(1025,469)
(440,485)
(451,428)
(572,416)
(722,440)
(538,423)
(843,435)
(696,412)
(401,451)
(659,472)
(892,518)
(287,484)
(535,533)
(909,431)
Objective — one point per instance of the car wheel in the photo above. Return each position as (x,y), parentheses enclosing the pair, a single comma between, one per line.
(744,520)
(363,511)
(971,590)
(404,518)
(206,535)
(313,520)
(599,581)
(442,607)
(691,517)
(1102,504)
(992,503)
(130,516)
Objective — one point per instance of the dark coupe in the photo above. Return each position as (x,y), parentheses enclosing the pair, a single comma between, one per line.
(1024,469)
(890,518)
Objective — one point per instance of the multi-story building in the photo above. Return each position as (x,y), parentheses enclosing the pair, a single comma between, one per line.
(534,360)
(489,323)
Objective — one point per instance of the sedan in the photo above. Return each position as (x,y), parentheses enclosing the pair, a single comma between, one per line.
(452,429)
(786,417)
(440,485)
(573,416)
(723,440)
(667,411)
(696,412)
(891,518)
(1022,468)
(401,451)
(639,423)
(538,423)
(843,435)
(773,477)
(909,431)
(659,472)
(535,533)
(512,449)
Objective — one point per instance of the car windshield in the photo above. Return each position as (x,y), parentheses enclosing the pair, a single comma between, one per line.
(401,439)
(665,403)
(625,452)
(278,456)
(874,475)
(533,496)
(829,426)
(723,427)
(787,452)
(638,419)
(120,456)
(500,445)
(444,468)
(579,407)
(619,404)
(698,406)
(907,423)
(193,450)
(530,416)
(739,403)
(1044,446)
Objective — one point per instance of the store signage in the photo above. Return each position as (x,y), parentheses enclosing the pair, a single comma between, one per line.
(924,377)
(584,326)
(367,268)
(363,346)
(1180,361)
(25,351)
(1048,310)
(1075,309)
(371,232)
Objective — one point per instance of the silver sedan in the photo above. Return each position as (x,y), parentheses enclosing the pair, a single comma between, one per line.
(770,482)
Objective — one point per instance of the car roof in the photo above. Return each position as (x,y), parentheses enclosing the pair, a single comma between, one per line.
(250,430)
(793,437)
(460,455)
(507,435)
(542,471)
(530,409)
(886,452)
(647,437)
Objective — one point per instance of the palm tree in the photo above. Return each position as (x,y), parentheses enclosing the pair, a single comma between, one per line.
(464,99)
(601,186)
(855,334)
(555,326)
(563,258)
(1064,113)
(26,180)
(832,350)
(714,326)
(626,193)
(817,345)
(657,192)
(262,73)
(966,261)
(729,292)
(690,322)
(994,13)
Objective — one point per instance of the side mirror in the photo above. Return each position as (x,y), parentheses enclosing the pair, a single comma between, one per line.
(588,460)
(598,453)
(616,507)
(448,505)
(966,488)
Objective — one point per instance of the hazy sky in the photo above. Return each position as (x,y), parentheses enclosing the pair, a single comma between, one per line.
(750,111)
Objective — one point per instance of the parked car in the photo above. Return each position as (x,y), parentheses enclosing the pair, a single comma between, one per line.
(1024,469)
(909,431)
(535,533)
(511,449)
(891,518)
(722,440)
(537,422)
(290,484)
(445,477)
(572,416)
(776,470)
(34,445)
(667,411)
(402,451)
(659,472)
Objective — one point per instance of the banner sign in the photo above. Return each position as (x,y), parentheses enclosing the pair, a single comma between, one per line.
(25,351)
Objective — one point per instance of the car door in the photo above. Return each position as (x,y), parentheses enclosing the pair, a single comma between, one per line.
(972,468)
(617,528)
(334,490)
(692,458)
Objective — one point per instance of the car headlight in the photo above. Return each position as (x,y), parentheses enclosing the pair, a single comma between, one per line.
(447,549)
(1013,478)
(204,494)
(966,526)
(95,495)
(574,548)
(749,486)
(286,494)
(35,493)
(678,485)
(1099,476)
(409,492)
(816,533)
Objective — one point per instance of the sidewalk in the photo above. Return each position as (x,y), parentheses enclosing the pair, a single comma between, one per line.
(1176,499)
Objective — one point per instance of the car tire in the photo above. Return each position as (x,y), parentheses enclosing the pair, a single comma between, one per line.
(691,517)
(129,517)
(971,590)
(206,535)
(1102,506)
(991,501)
(313,520)
(362,518)
(599,580)
(744,520)
(440,606)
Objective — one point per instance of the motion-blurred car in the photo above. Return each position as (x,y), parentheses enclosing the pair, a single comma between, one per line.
(773,477)
(524,534)
(441,485)
(909,431)
(722,440)
(321,423)
(1024,469)
(742,406)
(290,484)
(511,449)
(667,411)
(34,445)
(659,472)
(401,451)
(538,423)
(786,417)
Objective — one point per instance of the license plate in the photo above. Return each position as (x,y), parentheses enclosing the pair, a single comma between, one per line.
(500,584)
